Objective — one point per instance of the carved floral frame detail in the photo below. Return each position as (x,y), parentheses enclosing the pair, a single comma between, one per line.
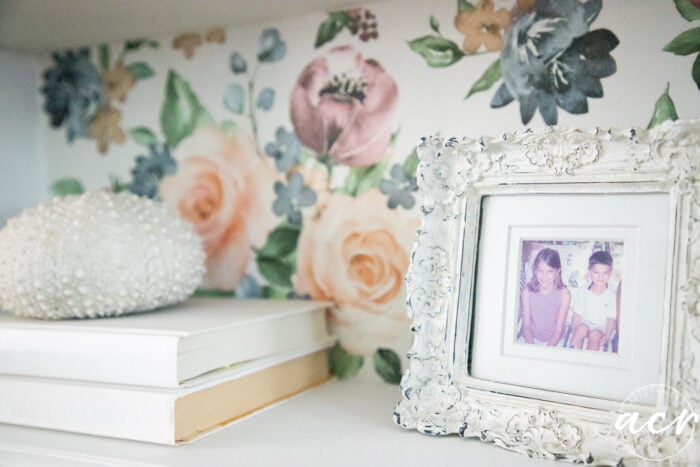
(453,174)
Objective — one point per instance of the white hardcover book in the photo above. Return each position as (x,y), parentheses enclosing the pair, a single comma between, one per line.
(161,348)
(159,415)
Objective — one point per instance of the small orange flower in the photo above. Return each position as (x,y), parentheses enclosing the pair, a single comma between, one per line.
(482,26)
(118,82)
(104,128)
(217,35)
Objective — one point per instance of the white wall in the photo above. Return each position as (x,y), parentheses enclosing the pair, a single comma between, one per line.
(23,164)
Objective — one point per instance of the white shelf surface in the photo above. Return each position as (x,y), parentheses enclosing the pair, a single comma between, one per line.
(346,423)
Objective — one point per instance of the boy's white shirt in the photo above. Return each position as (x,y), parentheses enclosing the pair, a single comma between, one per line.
(596,309)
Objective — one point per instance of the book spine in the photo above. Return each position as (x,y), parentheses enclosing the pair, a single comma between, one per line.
(137,359)
(94,409)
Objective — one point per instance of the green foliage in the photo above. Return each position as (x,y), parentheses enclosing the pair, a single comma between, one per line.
(342,364)
(464,5)
(687,10)
(140,70)
(410,165)
(281,242)
(685,43)
(331,27)
(490,77)
(434,25)
(136,44)
(361,179)
(181,110)
(387,365)
(696,71)
(664,109)
(67,186)
(215,293)
(118,185)
(437,51)
(276,259)
(143,136)
(104,56)
(274,293)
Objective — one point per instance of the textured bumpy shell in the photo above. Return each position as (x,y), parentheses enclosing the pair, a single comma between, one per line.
(97,254)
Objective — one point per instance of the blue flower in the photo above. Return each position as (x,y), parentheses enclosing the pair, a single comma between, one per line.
(266,99)
(248,288)
(285,150)
(234,98)
(550,59)
(73,90)
(292,197)
(272,47)
(399,188)
(149,171)
(238,63)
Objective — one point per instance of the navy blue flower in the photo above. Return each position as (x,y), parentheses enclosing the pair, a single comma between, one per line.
(550,59)
(73,91)
(285,150)
(399,188)
(292,197)
(272,47)
(149,171)
(238,63)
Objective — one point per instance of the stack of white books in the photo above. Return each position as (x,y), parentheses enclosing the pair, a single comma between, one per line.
(168,376)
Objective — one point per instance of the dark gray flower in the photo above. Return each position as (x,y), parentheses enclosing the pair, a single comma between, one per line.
(238,63)
(272,47)
(399,188)
(149,171)
(292,197)
(73,90)
(550,59)
(285,150)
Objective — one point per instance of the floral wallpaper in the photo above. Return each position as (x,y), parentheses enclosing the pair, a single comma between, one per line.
(296,170)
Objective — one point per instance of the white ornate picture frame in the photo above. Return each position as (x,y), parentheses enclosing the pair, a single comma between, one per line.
(439,397)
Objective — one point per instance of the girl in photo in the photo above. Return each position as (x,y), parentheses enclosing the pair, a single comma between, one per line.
(545,301)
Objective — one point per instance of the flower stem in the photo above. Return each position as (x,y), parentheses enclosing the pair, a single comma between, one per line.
(251,107)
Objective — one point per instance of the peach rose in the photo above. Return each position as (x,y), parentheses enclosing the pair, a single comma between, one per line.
(356,254)
(225,189)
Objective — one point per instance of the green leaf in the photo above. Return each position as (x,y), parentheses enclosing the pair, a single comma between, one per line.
(361,179)
(330,28)
(410,165)
(181,110)
(490,77)
(464,5)
(664,109)
(696,71)
(387,365)
(434,25)
(143,136)
(118,185)
(437,51)
(277,271)
(274,293)
(215,293)
(136,44)
(140,70)
(687,10)
(104,56)
(67,186)
(281,242)
(685,43)
(342,364)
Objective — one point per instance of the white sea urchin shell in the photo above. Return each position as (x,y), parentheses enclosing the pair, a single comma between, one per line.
(97,254)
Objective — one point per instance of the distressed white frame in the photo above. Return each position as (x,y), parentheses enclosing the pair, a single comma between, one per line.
(454,175)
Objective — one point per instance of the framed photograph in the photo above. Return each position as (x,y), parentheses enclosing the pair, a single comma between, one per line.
(554,293)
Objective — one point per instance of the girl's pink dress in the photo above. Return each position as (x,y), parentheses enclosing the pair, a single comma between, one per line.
(544,310)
